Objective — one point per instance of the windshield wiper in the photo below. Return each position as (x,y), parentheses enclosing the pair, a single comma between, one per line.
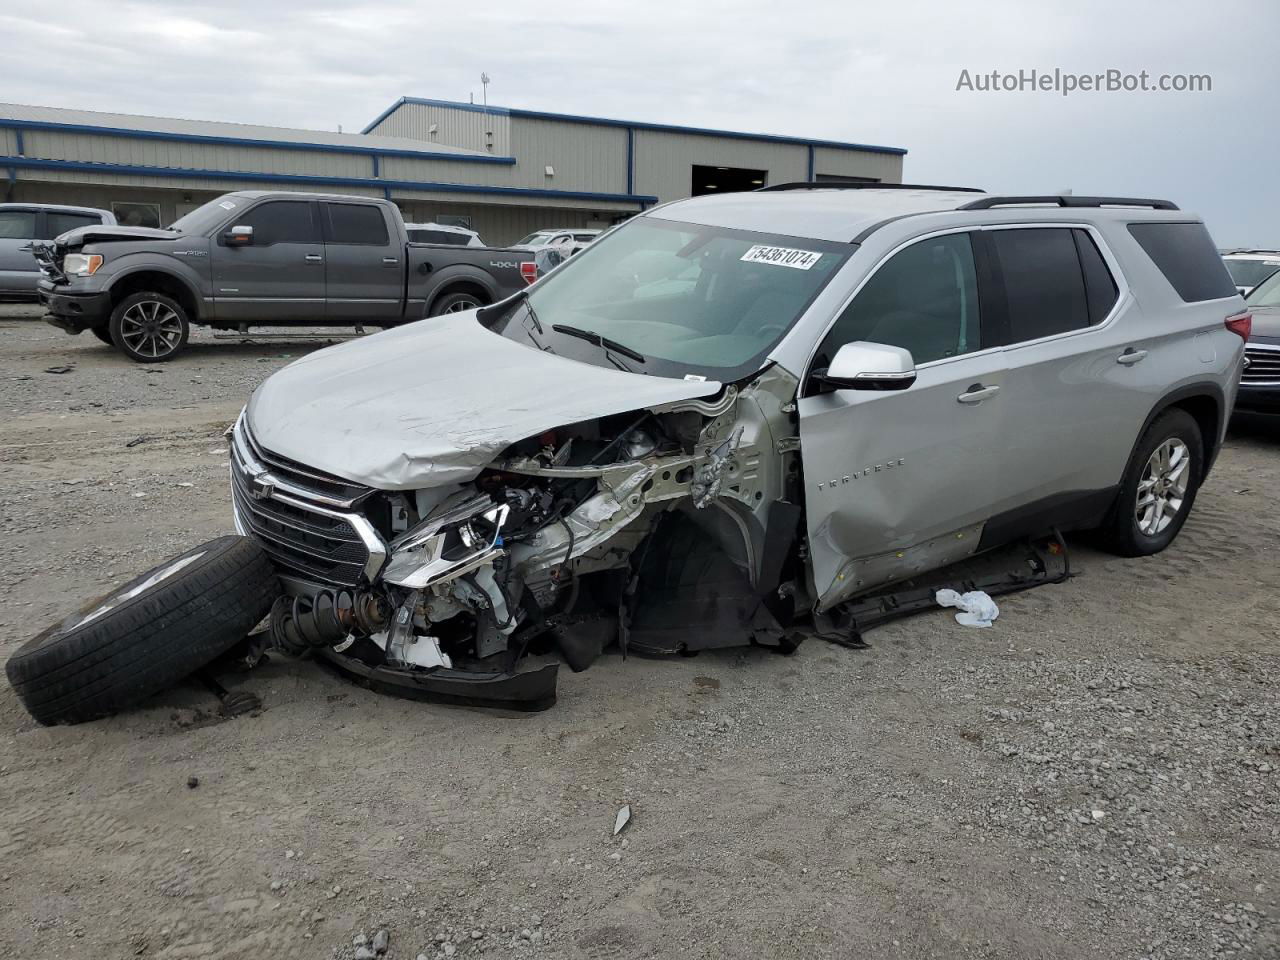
(599,340)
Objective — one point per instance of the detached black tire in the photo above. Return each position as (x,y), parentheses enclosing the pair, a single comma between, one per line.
(146,635)
(456,303)
(103,334)
(149,327)
(1159,487)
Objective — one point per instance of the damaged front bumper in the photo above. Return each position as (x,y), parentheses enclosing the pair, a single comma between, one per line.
(456,592)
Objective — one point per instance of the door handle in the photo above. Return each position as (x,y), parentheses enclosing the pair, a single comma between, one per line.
(977,393)
(390,261)
(1131,356)
(313,258)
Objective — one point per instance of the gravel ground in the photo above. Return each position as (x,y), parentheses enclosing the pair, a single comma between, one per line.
(1095,776)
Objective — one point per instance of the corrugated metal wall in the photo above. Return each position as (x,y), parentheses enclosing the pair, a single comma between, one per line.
(502,225)
(885,167)
(664,161)
(96,148)
(459,128)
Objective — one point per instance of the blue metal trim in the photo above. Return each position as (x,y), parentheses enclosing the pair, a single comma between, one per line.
(811,159)
(6,123)
(636,125)
(20,143)
(384,114)
(631,157)
(122,169)
(376,174)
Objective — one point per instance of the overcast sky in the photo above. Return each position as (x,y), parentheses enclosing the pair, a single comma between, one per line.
(883,72)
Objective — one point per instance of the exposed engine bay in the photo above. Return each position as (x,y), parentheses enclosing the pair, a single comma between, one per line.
(664,530)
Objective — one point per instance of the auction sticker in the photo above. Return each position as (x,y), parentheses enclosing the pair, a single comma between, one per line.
(781,257)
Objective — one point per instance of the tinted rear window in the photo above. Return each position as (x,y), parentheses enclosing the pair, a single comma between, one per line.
(17,225)
(60,223)
(1043,281)
(356,223)
(1188,259)
(438,236)
(1100,286)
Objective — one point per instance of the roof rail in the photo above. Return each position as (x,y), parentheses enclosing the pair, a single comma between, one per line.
(859,185)
(986,203)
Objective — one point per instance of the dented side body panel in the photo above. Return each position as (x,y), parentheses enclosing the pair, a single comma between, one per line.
(434,402)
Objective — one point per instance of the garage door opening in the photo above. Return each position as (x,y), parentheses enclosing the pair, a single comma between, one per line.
(726,180)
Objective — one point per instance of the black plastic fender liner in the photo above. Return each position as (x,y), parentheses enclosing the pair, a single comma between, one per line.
(526,690)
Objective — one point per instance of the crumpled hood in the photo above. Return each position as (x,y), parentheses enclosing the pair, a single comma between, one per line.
(436,401)
(107,233)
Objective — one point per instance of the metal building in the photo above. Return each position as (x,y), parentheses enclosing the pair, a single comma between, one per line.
(503,172)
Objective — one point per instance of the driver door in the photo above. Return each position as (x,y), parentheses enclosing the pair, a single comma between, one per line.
(898,482)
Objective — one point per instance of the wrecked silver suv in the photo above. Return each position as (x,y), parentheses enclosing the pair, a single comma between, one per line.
(732,416)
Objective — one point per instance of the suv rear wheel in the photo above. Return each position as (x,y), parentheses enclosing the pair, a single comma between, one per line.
(149,327)
(1159,487)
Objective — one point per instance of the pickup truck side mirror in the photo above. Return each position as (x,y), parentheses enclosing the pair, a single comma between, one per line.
(240,235)
(869,366)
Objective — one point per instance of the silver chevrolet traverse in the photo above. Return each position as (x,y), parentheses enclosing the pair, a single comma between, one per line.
(737,413)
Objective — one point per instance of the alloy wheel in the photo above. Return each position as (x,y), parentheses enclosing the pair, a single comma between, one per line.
(1162,489)
(149,328)
(459,306)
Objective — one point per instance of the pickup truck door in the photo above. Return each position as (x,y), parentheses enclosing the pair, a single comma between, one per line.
(280,276)
(18,270)
(896,482)
(366,262)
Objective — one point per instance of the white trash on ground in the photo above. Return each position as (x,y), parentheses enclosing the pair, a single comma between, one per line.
(976,608)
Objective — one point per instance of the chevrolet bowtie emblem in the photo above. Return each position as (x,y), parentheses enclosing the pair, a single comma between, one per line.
(262,488)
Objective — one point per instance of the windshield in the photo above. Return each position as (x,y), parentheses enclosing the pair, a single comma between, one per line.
(1266,294)
(209,215)
(1250,273)
(690,299)
(535,239)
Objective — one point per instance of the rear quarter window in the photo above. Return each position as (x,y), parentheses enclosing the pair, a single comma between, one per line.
(1185,254)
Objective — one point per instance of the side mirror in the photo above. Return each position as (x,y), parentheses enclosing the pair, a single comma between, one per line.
(238,236)
(869,366)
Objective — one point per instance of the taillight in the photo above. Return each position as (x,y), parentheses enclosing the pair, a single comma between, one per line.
(1241,324)
(529,270)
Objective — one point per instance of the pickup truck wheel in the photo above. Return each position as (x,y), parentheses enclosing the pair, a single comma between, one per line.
(103,334)
(149,327)
(146,635)
(1158,489)
(455,303)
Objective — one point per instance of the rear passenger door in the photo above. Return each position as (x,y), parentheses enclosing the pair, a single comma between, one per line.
(18,270)
(365,269)
(279,277)
(1074,381)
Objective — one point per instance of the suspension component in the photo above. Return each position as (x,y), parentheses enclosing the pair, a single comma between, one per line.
(325,619)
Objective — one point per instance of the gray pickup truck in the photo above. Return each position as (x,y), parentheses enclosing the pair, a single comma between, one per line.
(257,258)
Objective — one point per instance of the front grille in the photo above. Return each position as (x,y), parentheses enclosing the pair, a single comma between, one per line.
(1264,366)
(301,541)
(301,475)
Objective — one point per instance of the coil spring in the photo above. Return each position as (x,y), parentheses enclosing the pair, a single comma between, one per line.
(300,624)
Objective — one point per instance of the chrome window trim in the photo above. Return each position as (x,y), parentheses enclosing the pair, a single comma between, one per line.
(1124,293)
